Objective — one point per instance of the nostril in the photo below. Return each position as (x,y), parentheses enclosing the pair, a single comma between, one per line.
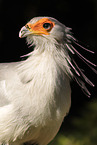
(27,26)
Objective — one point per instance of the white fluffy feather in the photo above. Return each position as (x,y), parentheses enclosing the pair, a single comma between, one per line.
(35,93)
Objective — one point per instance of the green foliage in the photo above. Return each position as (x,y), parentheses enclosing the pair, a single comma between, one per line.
(82,130)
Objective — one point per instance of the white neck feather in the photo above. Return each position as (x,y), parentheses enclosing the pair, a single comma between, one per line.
(47,57)
(45,75)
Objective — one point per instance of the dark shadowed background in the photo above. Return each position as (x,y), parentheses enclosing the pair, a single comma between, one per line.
(81,16)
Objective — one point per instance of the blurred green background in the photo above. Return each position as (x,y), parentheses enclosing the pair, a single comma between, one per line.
(80,126)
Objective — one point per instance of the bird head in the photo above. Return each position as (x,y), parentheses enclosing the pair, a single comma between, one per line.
(47,30)
(42,29)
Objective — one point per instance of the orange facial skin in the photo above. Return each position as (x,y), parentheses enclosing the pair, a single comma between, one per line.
(38,29)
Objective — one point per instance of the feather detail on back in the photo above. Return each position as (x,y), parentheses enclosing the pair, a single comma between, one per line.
(78,74)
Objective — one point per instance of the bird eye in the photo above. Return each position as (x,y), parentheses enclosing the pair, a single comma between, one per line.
(47,25)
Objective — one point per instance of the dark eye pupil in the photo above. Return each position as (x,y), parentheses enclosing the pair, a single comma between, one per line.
(46,25)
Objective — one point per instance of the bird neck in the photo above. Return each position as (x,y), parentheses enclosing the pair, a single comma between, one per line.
(44,76)
(47,56)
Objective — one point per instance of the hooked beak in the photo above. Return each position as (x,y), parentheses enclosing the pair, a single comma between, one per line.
(24,32)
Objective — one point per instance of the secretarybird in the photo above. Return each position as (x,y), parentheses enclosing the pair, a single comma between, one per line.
(35,94)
